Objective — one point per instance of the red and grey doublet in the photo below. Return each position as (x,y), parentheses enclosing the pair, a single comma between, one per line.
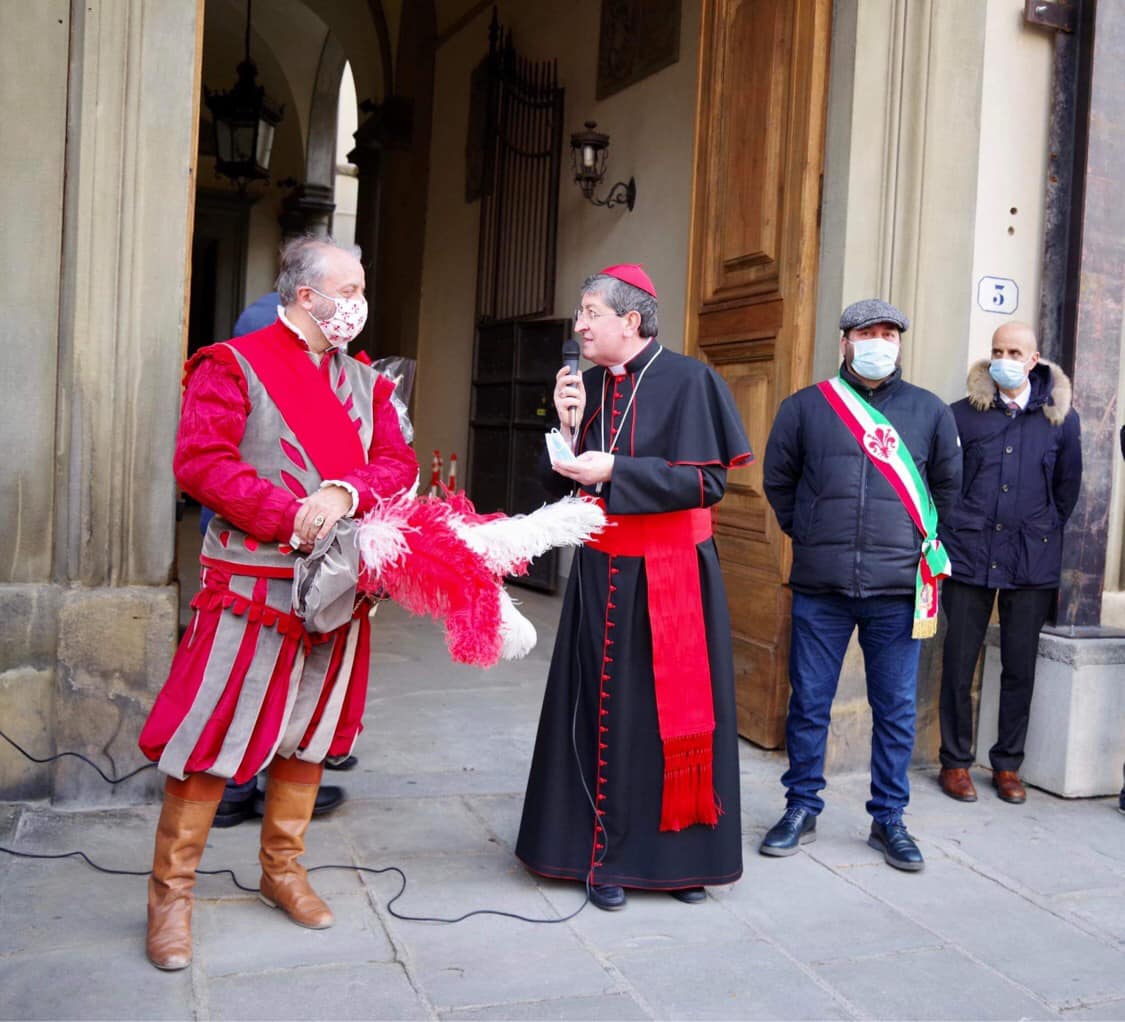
(640,693)
(263,425)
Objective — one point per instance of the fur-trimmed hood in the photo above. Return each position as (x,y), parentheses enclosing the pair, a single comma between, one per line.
(1050,389)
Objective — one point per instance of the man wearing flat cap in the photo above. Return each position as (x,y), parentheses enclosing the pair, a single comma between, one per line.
(634,779)
(858,470)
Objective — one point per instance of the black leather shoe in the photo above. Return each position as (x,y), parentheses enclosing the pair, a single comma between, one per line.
(237,804)
(340,762)
(608,897)
(328,797)
(796,827)
(897,846)
(689,895)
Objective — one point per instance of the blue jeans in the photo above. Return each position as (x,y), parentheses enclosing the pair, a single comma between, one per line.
(822,627)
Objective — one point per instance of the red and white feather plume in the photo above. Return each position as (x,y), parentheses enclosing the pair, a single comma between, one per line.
(443,559)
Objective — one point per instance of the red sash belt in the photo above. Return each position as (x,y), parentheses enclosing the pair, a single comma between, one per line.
(680,665)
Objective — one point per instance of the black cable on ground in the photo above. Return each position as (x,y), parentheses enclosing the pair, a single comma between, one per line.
(311,869)
(77,755)
(254,890)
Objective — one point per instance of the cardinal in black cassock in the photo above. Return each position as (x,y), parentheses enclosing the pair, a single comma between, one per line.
(634,779)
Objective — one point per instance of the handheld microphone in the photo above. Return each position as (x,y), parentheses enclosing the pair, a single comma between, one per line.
(571,349)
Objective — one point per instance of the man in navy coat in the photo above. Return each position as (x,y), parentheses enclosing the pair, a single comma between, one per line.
(1022,473)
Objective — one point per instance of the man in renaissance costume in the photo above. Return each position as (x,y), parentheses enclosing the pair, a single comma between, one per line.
(283,434)
(634,780)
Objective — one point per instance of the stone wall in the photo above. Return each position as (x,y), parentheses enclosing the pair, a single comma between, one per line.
(97,209)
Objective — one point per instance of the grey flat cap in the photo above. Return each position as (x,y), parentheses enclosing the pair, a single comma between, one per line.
(872,310)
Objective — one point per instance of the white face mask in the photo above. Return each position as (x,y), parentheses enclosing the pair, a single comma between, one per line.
(874,360)
(344,325)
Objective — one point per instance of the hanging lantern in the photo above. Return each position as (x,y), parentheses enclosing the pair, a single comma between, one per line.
(245,119)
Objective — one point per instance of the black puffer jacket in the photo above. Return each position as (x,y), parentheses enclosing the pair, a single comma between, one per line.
(851,533)
(1021,482)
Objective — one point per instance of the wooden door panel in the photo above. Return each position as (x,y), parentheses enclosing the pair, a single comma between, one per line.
(758,155)
(760,707)
(752,40)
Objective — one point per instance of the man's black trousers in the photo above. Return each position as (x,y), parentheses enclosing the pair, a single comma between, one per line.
(1023,612)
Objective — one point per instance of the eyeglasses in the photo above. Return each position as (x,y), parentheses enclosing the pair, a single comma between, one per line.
(590,315)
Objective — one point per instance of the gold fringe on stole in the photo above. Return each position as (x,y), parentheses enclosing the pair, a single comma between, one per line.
(924,628)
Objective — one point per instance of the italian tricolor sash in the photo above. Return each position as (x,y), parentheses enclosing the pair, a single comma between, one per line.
(880,441)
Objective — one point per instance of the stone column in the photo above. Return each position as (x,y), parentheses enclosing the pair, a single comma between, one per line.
(383,135)
(86,555)
(307,209)
(1099,326)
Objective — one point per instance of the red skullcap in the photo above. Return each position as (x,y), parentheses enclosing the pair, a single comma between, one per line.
(631,273)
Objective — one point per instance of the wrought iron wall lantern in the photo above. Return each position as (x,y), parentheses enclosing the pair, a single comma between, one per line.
(589,155)
(244,119)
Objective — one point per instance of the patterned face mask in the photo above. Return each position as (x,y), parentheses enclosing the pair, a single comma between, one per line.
(345,323)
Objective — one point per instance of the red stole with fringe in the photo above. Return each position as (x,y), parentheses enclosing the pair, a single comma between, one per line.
(680,665)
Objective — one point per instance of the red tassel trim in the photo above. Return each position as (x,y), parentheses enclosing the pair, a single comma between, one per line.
(286,624)
(689,789)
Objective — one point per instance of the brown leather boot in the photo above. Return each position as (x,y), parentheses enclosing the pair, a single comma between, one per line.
(1008,787)
(956,783)
(181,836)
(284,883)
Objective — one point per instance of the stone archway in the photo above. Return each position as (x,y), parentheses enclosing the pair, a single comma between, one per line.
(392,153)
(310,207)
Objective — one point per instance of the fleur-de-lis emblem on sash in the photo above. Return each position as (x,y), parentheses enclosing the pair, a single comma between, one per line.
(882,442)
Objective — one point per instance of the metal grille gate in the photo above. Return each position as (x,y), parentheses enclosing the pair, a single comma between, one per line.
(522,150)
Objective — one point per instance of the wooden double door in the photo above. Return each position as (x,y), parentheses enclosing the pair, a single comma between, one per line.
(752,290)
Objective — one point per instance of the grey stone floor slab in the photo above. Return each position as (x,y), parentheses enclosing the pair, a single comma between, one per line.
(934,983)
(385,829)
(1105,913)
(371,991)
(118,838)
(488,959)
(449,887)
(1038,950)
(817,914)
(652,920)
(501,814)
(232,937)
(745,980)
(497,960)
(97,980)
(1105,1011)
(565,1009)
(1020,911)
(50,905)
(1027,846)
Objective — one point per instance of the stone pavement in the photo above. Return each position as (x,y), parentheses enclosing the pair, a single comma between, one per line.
(1020,912)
